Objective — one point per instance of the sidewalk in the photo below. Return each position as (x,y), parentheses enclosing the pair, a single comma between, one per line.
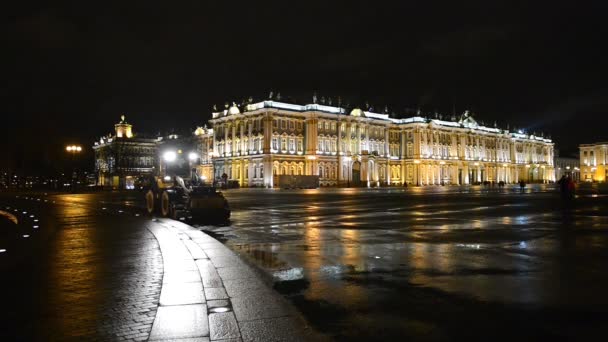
(209,294)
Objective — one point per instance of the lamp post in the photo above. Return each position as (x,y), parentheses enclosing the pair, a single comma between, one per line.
(73,150)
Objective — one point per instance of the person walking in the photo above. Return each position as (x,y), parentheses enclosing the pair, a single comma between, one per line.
(570,188)
(563,186)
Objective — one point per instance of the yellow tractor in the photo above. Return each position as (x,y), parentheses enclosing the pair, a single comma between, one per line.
(178,192)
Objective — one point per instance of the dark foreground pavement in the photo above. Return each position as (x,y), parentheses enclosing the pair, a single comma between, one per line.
(435,263)
(77,268)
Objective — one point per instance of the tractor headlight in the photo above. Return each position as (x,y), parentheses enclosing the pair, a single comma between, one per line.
(169,156)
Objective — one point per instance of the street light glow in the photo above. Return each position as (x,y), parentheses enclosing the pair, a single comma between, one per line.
(73,148)
(170,156)
(192,156)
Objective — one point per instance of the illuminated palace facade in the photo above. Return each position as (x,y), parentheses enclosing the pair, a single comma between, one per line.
(123,157)
(258,142)
(593,160)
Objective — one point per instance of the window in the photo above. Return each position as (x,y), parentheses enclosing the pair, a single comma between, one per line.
(299,125)
(300,145)
(320,126)
(275,144)
(284,144)
(275,123)
(292,146)
(283,124)
(333,126)
(291,125)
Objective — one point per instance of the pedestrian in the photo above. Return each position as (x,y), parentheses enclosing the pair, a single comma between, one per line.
(522,185)
(570,188)
(563,186)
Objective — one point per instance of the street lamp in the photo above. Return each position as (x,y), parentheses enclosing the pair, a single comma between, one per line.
(72,150)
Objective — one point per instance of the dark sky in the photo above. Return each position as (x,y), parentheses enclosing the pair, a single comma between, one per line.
(69,69)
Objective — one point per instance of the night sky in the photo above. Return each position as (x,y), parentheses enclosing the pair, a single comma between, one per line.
(69,70)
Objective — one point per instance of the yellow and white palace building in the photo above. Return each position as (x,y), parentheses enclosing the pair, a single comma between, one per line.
(593,159)
(258,142)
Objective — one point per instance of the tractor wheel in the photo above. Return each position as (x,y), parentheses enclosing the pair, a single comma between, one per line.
(150,207)
(165,205)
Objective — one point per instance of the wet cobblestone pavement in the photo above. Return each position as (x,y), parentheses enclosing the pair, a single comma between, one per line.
(436,263)
(84,273)
(92,267)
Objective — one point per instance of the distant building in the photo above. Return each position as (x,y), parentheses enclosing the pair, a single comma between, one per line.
(203,137)
(258,142)
(593,160)
(122,158)
(566,166)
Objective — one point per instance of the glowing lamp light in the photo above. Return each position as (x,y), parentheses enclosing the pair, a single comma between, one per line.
(192,156)
(167,178)
(170,156)
(73,148)
(311,157)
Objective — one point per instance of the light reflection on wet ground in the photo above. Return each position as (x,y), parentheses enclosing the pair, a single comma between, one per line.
(375,264)
(425,263)
(83,274)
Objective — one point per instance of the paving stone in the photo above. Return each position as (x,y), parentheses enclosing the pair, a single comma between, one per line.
(237,272)
(209,274)
(257,306)
(219,252)
(218,303)
(180,321)
(223,325)
(182,293)
(242,287)
(191,339)
(227,260)
(180,265)
(270,330)
(195,250)
(182,277)
(210,245)
(215,293)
